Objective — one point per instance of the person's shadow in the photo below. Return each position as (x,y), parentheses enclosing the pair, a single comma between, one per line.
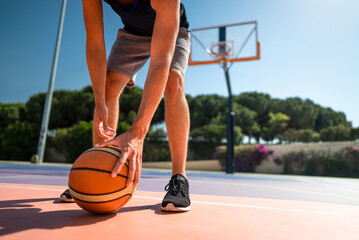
(20,215)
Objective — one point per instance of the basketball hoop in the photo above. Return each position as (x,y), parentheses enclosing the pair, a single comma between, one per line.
(222,51)
(205,51)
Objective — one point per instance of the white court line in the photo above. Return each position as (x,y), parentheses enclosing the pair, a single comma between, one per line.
(317,193)
(330,185)
(36,188)
(212,203)
(29,176)
(276,188)
(258,207)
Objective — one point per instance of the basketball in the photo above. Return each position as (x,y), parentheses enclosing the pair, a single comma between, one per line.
(91,184)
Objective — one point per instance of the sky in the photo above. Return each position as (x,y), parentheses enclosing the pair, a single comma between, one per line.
(309,49)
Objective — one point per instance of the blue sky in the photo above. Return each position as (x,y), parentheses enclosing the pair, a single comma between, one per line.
(309,49)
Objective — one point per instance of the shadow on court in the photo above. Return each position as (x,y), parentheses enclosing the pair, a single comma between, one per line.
(156,208)
(21,215)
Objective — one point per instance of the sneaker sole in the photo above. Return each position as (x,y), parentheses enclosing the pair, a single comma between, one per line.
(171,208)
(65,199)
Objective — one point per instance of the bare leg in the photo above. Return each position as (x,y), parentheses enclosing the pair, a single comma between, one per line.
(177,120)
(115,83)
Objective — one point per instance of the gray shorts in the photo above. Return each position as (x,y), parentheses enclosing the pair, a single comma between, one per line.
(130,52)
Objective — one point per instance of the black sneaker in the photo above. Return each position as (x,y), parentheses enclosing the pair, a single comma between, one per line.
(177,197)
(66,196)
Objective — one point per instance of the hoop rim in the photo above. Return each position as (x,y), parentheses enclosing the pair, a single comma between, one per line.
(226,54)
(258,57)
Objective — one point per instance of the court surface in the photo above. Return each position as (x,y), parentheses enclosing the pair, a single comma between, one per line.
(239,206)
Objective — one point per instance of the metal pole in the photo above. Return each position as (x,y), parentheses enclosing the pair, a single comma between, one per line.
(230,125)
(230,115)
(47,108)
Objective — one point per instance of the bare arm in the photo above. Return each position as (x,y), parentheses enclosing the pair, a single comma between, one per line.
(95,47)
(96,63)
(162,47)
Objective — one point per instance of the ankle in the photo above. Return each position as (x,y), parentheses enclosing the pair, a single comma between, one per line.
(183,173)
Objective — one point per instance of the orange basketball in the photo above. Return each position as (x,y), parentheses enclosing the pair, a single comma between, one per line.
(91,184)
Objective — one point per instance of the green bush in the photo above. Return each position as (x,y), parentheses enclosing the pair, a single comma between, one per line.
(350,156)
(289,135)
(19,141)
(203,140)
(307,135)
(301,135)
(73,141)
(156,151)
(155,147)
(10,113)
(68,108)
(122,127)
(354,133)
(335,133)
(344,163)
(294,163)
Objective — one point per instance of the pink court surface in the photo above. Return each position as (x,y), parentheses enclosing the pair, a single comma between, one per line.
(239,206)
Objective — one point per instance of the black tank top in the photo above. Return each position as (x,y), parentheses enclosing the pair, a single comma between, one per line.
(140,20)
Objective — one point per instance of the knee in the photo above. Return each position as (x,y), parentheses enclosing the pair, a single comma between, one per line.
(175,86)
(115,83)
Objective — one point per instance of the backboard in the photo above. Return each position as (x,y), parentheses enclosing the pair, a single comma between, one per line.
(232,43)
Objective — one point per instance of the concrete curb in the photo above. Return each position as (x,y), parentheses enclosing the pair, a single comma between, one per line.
(200,165)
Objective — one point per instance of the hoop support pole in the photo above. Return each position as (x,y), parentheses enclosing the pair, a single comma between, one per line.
(230,124)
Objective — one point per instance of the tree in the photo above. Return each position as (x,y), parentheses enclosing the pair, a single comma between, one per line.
(205,139)
(122,127)
(204,108)
(19,141)
(156,146)
(335,133)
(68,108)
(327,117)
(209,133)
(354,133)
(302,113)
(246,119)
(130,101)
(259,103)
(74,140)
(276,125)
(35,107)
(307,135)
(289,135)
(10,113)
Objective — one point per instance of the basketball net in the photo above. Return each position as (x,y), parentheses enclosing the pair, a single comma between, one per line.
(222,51)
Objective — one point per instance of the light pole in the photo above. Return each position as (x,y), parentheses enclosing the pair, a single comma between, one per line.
(47,107)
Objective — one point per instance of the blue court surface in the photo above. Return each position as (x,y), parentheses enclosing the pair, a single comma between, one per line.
(286,187)
(259,206)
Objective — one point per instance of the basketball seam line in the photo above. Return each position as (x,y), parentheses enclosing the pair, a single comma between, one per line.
(102,150)
(97,170)
(104,201)
(97,194)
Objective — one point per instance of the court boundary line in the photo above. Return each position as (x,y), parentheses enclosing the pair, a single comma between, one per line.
(211,203)
(241,184)
(288,189)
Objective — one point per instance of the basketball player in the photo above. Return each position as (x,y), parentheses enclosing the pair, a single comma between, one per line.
(156,29)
